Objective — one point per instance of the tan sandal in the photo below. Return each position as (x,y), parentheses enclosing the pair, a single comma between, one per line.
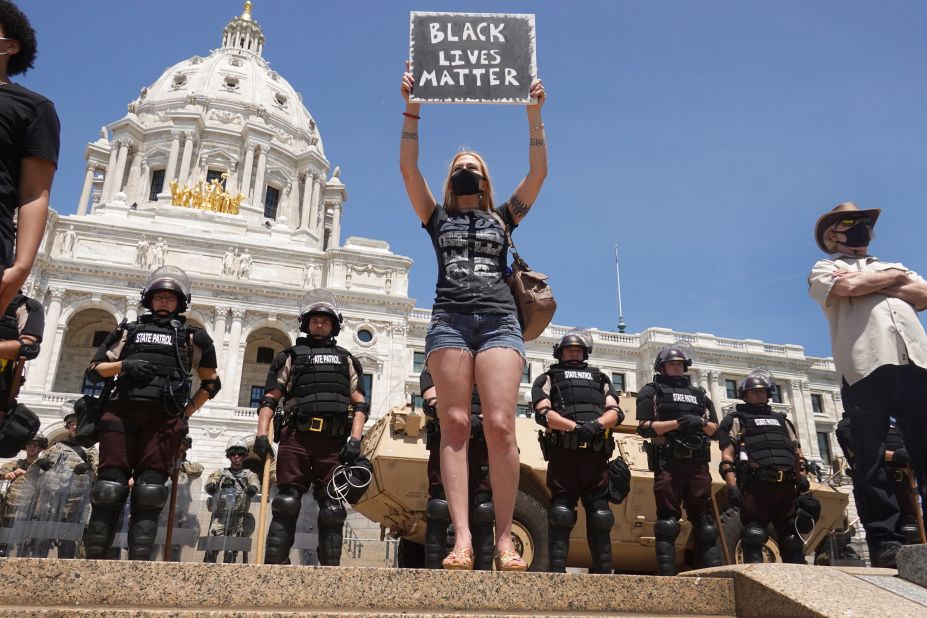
(509,560)
(459,560)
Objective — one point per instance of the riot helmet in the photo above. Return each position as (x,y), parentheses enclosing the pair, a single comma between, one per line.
(39,439)
(319,301)
(757,379)
(679,351)
(236,445)
(169,279)
(575,336)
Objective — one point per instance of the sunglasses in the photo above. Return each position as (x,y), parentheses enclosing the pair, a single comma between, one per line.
(854,220)
(236,454)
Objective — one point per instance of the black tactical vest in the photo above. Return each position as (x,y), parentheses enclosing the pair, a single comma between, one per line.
(578,389)
(169,350)
(766,439)
(675,397)
(320,382)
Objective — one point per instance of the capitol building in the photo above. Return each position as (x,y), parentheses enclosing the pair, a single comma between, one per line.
(219,168)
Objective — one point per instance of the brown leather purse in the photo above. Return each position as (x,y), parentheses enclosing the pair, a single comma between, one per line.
(533,297)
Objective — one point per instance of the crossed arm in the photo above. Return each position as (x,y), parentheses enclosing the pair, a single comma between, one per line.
(893,282)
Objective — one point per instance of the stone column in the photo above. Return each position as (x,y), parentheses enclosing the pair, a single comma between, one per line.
(218,332)
(132,307)
(232,362)
(135,175)
(313,225)
(116,187)
(38,372)
(170,172)
(185,159)
(305,211)
(245,181)
(86,189)
(110,172)
(334,240)
(714,389)
(258,190)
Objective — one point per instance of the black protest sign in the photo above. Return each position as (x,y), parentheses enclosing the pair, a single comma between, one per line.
(472,57)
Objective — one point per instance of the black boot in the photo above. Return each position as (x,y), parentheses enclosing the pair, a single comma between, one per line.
(753,539)
(438,520)
(107,498)
(331,529)
(666,531)
(560,519)
(482,517)
(147,501)
(282,530)
(707,551)
(599,522)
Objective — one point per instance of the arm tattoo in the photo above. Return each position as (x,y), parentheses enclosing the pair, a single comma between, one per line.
(518,207)
(537,142)
(409,135)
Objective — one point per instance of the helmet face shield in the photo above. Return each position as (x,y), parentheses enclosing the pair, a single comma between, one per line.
(574,337)
(758,379)
(319,302)
(170,279)
(678,351)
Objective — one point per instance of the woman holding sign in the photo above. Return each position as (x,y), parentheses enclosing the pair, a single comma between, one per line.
(474,335)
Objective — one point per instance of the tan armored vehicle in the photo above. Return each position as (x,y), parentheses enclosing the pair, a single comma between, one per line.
(397,495)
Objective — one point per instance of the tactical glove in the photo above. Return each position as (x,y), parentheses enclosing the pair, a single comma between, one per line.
(227,482)
(734,496)
(252,490)
(690,423)
(588,430)
(138,369)
(81,468)
(900,457)
(44,463)
(350,451)
(803,484)
(262,447)
(210,488)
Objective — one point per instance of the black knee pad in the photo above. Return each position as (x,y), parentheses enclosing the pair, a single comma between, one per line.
(754,535)
(286,505)
(601,520)
(331,514)
(666,529)
(149,496)
(561,516)
(706,530)
(483,514)
(437,510)
(117,475)
(108,493)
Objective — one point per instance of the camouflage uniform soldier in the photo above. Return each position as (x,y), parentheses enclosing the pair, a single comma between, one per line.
(184,516)
(230,516)
(15,473)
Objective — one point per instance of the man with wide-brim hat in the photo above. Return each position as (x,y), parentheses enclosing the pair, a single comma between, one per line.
(880,351)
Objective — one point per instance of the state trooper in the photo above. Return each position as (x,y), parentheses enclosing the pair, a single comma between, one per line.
(438,516)
(317,383)
(148,365)
(73,488)
(577,406)
(235,485)
(679,419)
(763,466)
(21,327)
(14,473)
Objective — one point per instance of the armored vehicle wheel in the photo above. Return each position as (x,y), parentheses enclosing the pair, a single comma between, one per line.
(733,528)
(410,555)
(529,531)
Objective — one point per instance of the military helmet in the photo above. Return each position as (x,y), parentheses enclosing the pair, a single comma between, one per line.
(574,336)
(170,279)
(319,301)
(679,351)
(236,445)
(39,439)
(758,379)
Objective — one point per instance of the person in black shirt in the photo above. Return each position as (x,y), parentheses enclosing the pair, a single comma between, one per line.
(29,144)
(474,334)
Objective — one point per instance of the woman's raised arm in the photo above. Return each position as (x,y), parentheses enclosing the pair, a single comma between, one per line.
(419,194)
(527,191)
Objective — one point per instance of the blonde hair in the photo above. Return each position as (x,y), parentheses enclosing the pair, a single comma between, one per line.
(450,200)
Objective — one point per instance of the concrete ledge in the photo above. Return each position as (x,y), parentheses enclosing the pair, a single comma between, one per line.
(234,588)
(799,591)
(912,564)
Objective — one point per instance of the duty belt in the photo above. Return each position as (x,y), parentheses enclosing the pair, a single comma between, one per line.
(771,475)
(335,426)
(898,474)
(569,441)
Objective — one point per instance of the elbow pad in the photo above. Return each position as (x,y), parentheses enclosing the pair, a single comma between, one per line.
(363,408)
(212,387)
(430,407)
(619,411)
(726,466)
(267,402)
(645,430)
(540,416)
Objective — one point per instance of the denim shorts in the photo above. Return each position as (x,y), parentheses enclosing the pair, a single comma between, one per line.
(474,332)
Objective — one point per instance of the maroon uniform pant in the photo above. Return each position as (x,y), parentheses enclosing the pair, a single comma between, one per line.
(136,436)
(764,503)
(682,482)
(573,474)
(305,458)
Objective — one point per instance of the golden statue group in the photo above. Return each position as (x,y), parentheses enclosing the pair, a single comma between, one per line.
(212,196)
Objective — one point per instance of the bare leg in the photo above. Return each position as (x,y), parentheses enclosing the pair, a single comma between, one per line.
(452,371)
(498,373)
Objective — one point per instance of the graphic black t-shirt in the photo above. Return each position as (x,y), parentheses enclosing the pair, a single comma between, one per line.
(472,250)
(29,127)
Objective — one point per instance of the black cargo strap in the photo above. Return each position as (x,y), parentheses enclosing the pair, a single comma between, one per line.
(771,475)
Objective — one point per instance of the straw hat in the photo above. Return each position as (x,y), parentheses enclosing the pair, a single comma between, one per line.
(839,212)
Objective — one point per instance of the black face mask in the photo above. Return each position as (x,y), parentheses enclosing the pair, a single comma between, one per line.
(857,236)
(465,182)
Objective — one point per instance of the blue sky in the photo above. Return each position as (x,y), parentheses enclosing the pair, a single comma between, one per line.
(704,137)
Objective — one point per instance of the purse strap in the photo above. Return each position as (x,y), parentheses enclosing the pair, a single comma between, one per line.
(508,235)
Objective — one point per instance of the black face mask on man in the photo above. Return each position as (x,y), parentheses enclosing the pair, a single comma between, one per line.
(465,182)
(857,236)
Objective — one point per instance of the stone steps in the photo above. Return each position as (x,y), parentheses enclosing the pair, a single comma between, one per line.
(112,589)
